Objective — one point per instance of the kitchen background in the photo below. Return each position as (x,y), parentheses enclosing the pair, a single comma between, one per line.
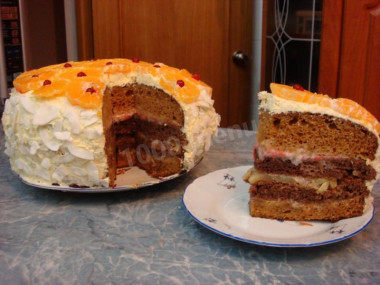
(237,46)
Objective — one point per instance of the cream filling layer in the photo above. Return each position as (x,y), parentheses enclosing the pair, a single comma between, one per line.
(299,156)
(295,157)
(320,184)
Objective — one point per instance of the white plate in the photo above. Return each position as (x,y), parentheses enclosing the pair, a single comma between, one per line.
(131,179)
(219,202)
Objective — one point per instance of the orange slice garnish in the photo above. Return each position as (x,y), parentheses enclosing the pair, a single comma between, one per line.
(288,92)
(171,74)
(190,77)
(82,82)
(116,67)
(86,94)
(31,80)
(53,89)
(82,73)
(189,92)
(167,86)
(353,109)
(341,105)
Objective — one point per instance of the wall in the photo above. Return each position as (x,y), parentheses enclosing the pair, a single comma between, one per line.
(256,57)
(43,32)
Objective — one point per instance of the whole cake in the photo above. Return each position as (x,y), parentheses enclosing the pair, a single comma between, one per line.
(76,123)
(315,158)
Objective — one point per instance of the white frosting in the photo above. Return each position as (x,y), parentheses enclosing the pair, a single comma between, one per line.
(201,124)
(52,145)
(53,141)
(44,114)
(274,105)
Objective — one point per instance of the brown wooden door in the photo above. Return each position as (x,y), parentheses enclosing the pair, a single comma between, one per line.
(197,35)
(350,52)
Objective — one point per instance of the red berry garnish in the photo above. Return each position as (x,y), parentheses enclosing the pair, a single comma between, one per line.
(135,59)
(180,83)
(46,82)
(156,66)
(109,63)
(196,76)
(90,90)
(298,87)
(81,74)
(35,75)
(67,65)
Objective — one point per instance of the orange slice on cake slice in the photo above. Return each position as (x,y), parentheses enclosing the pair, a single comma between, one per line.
(341,105)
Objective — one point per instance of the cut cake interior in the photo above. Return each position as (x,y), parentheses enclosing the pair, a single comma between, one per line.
(311,161)
(142,127)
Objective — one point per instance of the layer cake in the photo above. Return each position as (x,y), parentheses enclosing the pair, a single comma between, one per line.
(315,158)
(76,123)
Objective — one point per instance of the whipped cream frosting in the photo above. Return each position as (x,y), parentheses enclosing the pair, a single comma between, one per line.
(53,141)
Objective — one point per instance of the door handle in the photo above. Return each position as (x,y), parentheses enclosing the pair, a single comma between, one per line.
(240,58)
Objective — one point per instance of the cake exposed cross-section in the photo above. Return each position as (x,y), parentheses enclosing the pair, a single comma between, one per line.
(315,158)
(76,124)
(143,127)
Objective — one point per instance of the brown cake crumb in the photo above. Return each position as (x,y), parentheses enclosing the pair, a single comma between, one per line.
(142,127)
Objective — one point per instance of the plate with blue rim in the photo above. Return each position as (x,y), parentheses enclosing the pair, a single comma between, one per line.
(219,202)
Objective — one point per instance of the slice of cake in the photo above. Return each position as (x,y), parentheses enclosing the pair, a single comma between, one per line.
(76,123)
(315,158)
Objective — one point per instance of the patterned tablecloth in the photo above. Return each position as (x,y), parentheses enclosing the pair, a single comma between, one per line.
(146,236)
